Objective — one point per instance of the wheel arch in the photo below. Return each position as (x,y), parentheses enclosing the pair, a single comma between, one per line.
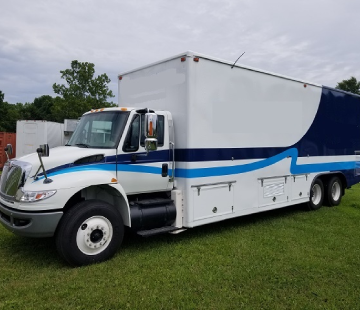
(113,194)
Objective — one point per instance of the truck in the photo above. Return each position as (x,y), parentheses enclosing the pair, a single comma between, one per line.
(195,140)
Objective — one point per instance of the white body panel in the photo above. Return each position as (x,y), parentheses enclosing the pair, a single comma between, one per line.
(30,134)
(215,106)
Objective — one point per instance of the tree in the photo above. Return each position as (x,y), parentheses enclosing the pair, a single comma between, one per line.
(10,113)
(83,91)
(42,108)
(351,85)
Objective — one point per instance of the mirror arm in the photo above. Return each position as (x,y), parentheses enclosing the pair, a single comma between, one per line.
(7,155)
(8,151)
(43,149)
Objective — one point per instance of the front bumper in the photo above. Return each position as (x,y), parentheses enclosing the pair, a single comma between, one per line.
(30,224)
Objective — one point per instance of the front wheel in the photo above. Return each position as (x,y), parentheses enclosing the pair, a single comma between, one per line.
(334,192)
(90,232)
(316,195)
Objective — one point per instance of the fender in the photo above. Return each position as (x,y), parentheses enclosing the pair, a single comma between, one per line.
(67,184)
(124,208)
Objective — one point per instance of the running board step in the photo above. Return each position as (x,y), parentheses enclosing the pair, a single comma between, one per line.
(157,231)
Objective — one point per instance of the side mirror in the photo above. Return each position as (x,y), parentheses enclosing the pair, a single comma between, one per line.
(43,150)
(151,124)
(9,149)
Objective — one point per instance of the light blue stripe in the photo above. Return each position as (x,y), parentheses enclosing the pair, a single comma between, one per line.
(139,169)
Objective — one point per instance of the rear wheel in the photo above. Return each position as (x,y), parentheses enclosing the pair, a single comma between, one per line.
(334,191)
(90,232)
(316,195)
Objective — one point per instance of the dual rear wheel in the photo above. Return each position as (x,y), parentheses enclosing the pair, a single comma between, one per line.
(332,194)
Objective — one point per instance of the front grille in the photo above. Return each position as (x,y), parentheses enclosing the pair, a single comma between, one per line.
(11,178)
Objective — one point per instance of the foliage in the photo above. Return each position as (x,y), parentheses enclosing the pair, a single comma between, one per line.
(83,91)
(282,259)
(10,113)
(351,85)
(43,107)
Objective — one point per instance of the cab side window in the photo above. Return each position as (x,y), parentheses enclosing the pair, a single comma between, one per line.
(131,143)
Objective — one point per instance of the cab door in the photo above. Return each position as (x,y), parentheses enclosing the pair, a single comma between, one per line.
(139,171)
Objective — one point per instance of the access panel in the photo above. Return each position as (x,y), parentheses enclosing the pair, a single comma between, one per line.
(212,200)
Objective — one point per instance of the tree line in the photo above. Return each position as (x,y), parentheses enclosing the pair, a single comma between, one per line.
(81,92)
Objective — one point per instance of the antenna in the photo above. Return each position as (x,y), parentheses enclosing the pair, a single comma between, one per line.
(237,60)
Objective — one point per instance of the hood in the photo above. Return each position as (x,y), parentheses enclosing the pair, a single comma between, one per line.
(67,156)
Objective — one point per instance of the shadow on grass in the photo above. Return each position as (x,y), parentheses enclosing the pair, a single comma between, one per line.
(132,240)
(42,253)
(31,252)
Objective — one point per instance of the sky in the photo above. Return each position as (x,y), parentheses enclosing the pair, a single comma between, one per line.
(312,40)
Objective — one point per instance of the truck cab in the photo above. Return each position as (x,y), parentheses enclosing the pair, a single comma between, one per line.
(116,170)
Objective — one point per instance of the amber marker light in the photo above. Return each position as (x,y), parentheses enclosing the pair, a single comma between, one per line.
(123,109)
(196,59)
(151,129)
(113,180)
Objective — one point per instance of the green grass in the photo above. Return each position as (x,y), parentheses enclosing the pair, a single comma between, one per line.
(283,259)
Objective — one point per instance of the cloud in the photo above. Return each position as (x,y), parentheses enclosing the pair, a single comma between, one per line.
(310,40)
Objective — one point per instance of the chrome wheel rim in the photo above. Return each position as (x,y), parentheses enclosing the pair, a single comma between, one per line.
(316,194)
(335,191)
(94,235)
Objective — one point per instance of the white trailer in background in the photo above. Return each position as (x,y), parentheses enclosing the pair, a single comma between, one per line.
(31,133)
(69,128)
(194,140)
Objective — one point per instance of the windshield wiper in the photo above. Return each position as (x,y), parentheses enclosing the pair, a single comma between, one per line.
(82,145)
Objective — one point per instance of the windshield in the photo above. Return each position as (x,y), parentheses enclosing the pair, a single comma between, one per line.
(99,130)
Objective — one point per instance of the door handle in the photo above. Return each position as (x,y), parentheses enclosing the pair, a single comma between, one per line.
(164,170)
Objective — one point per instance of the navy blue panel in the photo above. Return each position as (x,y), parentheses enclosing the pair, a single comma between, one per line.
(194,155)
(142,158)
(334,131)
(336,127)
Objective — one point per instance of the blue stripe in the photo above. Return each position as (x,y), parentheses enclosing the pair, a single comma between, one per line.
(220,171)
(238,169)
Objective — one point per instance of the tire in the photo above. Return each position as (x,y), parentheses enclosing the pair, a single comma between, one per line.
(334,191)
(90,232)
(316,195)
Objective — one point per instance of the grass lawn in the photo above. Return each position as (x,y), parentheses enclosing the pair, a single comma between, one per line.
(283,259)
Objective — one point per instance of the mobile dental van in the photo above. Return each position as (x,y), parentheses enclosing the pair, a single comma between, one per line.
(195,140)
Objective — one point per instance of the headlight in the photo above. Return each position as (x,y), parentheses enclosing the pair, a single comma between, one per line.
(35,196)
